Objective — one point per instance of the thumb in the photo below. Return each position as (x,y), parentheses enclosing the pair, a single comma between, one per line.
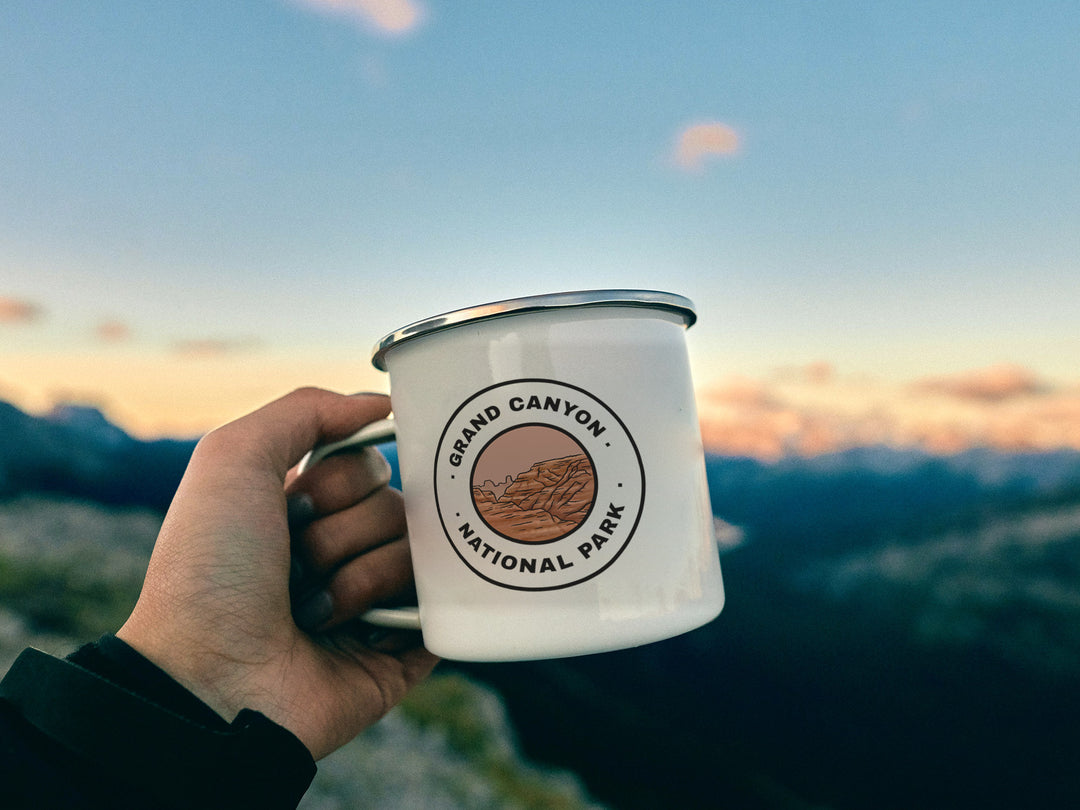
(287,428)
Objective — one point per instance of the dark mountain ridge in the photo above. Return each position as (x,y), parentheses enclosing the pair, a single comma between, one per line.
(75,451)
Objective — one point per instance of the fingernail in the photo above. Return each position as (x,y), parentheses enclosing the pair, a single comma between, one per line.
(314,611)
(297,577)
(377,465)
(300,510)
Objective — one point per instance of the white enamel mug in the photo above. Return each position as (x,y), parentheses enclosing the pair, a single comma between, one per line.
(553,473)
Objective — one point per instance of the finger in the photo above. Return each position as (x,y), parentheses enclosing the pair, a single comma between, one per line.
(385,676)
(370,681)
(417,663)
(379,575)
(330,541)
(342,480)
(284,430)
(394,642)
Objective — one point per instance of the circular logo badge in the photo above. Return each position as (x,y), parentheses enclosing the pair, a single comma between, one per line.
(538,484)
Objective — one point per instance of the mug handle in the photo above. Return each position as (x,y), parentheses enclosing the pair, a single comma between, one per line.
(403,618)
(374,433)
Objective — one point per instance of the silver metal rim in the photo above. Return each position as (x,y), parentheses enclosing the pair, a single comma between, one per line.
(648,299)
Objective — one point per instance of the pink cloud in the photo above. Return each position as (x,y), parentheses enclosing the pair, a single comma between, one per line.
(814,410)
(745,417)
(697,142)
(16,310)
(987,384)
(206,348)
(393,17)
(112,332)
(818,372)
(739,392)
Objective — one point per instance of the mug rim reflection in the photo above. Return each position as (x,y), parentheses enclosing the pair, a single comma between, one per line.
(647,299)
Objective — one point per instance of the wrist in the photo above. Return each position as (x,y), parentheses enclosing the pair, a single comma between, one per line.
(123,665)
(224,684)
(189,759)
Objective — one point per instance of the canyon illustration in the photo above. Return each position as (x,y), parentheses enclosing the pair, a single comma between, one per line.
(527,487)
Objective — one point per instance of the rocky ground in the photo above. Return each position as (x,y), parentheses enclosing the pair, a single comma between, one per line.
(70,571)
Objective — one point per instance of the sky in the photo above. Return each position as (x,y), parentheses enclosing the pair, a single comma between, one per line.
(874,207)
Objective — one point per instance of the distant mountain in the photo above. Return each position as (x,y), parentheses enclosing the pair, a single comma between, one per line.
(489,490)
(851,496)
(831,503)
(76,451)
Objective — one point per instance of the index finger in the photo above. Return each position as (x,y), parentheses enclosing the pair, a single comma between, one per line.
(285,429)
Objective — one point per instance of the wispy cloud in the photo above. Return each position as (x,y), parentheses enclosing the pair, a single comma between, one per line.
(389,17)
(17,310)
(991,384)
(745,417)
(208,348)
(699,141)
(814,410)
(112,332)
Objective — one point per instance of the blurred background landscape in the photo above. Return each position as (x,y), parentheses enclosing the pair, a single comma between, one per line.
(874,208)
(902,630)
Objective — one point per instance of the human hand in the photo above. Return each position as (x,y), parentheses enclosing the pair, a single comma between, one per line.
(215,610)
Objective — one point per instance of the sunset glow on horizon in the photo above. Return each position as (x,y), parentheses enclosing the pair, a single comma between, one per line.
(802,411)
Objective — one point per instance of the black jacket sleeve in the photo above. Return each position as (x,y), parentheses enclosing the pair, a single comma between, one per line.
(107,728)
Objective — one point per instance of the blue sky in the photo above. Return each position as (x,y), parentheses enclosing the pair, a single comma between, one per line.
(898,193)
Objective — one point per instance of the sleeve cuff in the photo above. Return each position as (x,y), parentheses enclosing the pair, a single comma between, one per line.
(188,758)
